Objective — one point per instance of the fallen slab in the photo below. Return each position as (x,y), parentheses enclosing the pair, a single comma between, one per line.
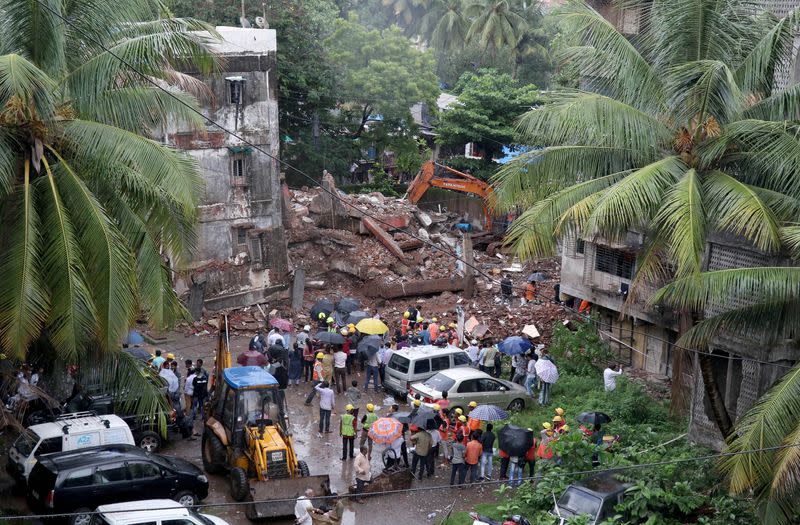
(384,238)
(402,288)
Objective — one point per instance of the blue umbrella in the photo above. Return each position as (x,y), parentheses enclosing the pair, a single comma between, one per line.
(514,345)
(488,413)
(370,345)
(133,338)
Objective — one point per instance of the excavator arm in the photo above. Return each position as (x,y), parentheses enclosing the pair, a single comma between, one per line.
(454,181)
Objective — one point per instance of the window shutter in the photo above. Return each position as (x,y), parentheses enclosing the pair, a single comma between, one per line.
(256,252)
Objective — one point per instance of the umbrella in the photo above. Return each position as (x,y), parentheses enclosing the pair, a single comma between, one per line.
(339,318)
(385,430)
(138,353)
(403,417)
(424,418)
(515,441)
(370,345)
(329,337)
(356,316)
(514,345)
(347,305)
(546,371)
(281,324)
(488,413)
(537,277)
(372,326)
(133,338)
(594,418)
(322,306)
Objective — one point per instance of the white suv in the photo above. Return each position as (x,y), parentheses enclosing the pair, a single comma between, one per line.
(152,512)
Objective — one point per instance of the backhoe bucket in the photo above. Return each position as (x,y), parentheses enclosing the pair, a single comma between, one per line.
(287,490)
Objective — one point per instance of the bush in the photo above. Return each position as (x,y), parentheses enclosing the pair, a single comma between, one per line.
(580,352)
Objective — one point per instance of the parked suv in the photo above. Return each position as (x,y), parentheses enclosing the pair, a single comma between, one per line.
(418,363)
(152,512)
(81,480)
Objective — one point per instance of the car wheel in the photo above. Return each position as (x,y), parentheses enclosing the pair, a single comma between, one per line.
(517,404)
(240,487)
(82,516)
(302,468)
(186,498)
(149,441)
(213,453)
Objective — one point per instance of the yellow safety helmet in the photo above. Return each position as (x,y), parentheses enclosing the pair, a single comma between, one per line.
(442,327)
(434,320)
(353,330)
(558,419)
(459,411)
(321,315)
(170,356)
(329,320)
(351,325)
(473,404)
(452,325)
(320,355)
(406,314)
(463,419)
(420,318)
(560,411)
(349,407)
(417,402)
(370,407)
(436,406)
(344,331)
(565,428)
(547,425)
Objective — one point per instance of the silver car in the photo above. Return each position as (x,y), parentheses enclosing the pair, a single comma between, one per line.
(467,384)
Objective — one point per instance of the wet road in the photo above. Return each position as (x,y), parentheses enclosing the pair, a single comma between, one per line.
(323,453)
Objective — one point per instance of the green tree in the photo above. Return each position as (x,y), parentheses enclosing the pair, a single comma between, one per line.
(683,135)
(444,25)
(488,105)
(495,24)
(89,206)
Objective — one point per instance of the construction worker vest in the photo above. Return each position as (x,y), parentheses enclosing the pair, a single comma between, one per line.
(370,418)
(348,430)
(318,372)
(404,324)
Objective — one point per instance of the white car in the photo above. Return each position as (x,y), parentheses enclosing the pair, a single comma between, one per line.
(467,384)
(152,512)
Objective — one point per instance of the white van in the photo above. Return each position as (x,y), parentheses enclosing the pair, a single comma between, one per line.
(418,363)
(68,432)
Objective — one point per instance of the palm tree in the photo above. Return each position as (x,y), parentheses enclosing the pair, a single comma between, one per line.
(495,24)
(769,313)
(90,207)
(444,26)
(681,132)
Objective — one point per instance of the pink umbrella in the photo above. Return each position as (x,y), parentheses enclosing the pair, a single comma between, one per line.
(281,324)
(385,430)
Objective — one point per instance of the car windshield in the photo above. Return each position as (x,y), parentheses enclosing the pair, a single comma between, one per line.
(579,502)
(258,404)
(440,382)
(399,363)
(26,442)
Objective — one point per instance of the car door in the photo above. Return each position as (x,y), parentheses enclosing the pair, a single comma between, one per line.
(491,391)
(150,477)
(467,390)
(111,485)
(75,489)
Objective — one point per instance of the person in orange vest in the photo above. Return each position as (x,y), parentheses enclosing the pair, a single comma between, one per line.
(445,432)
(530,292)
(473,424)
(433,329)
(464,432)
(585,307)
(317,377)
(405,323)
(530,457)
(545,451)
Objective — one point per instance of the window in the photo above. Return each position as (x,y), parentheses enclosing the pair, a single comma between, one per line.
(439,382)
(179,521)
(257,251)
(235,90)
(489,385)
(229,409)
(237,167)
(441,362)
(580,246)
(79,478)
(615,262)
(49,445)
(468,386)
(460,359)
(241,236)
(399,363)
(422,366)
(144,470)
(111,473)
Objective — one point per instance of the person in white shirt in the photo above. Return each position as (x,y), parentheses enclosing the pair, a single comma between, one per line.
(302,517)
(340,369)
(472,352)
(273,337)
(188,392)
(363,473)
(610,377)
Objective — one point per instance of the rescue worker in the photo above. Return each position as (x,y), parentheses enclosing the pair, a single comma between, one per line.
(331,324)
(445,434)
(530,292)
(462,430)
(433,329)
(347,429)
(321,321)
(473,424)
(405,324)
(317,377)
(366,423)
(558,423)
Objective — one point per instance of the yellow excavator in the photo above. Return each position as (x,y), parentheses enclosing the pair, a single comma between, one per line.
(247,435)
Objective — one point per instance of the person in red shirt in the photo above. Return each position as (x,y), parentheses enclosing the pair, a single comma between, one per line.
(473,455)
(505,459)
(530,457)
(462,430)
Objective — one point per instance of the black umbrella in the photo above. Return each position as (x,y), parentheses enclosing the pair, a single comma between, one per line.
(324,306)
(331,338)
(370,345)
(594,418)
(537,277)
(515,441)
(403,417)
(138,352)
(356,315)
(425,418)
(339,318)
(348,304)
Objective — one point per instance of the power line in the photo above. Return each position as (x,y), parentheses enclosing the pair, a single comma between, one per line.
(333,194)
(609,470)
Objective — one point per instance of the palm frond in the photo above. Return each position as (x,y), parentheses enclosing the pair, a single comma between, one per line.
(682,220)
(790,236)
(633,201)
(8,160)
(703,88)
(756,73)
(783,105)
(37,33)
(787,469)
(72,312)
(23,297)
(108,261)
(593,119)
(22,80)
(737,208)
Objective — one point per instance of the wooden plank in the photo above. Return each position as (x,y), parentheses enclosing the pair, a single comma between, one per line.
(383,237)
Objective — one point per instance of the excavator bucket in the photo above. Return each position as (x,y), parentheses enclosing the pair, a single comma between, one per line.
(280,495)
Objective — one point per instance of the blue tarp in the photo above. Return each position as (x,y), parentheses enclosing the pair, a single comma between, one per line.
(248,377)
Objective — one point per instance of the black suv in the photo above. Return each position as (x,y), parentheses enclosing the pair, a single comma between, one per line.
(79,481)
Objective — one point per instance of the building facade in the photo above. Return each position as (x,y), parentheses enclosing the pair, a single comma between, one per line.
(240,257)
